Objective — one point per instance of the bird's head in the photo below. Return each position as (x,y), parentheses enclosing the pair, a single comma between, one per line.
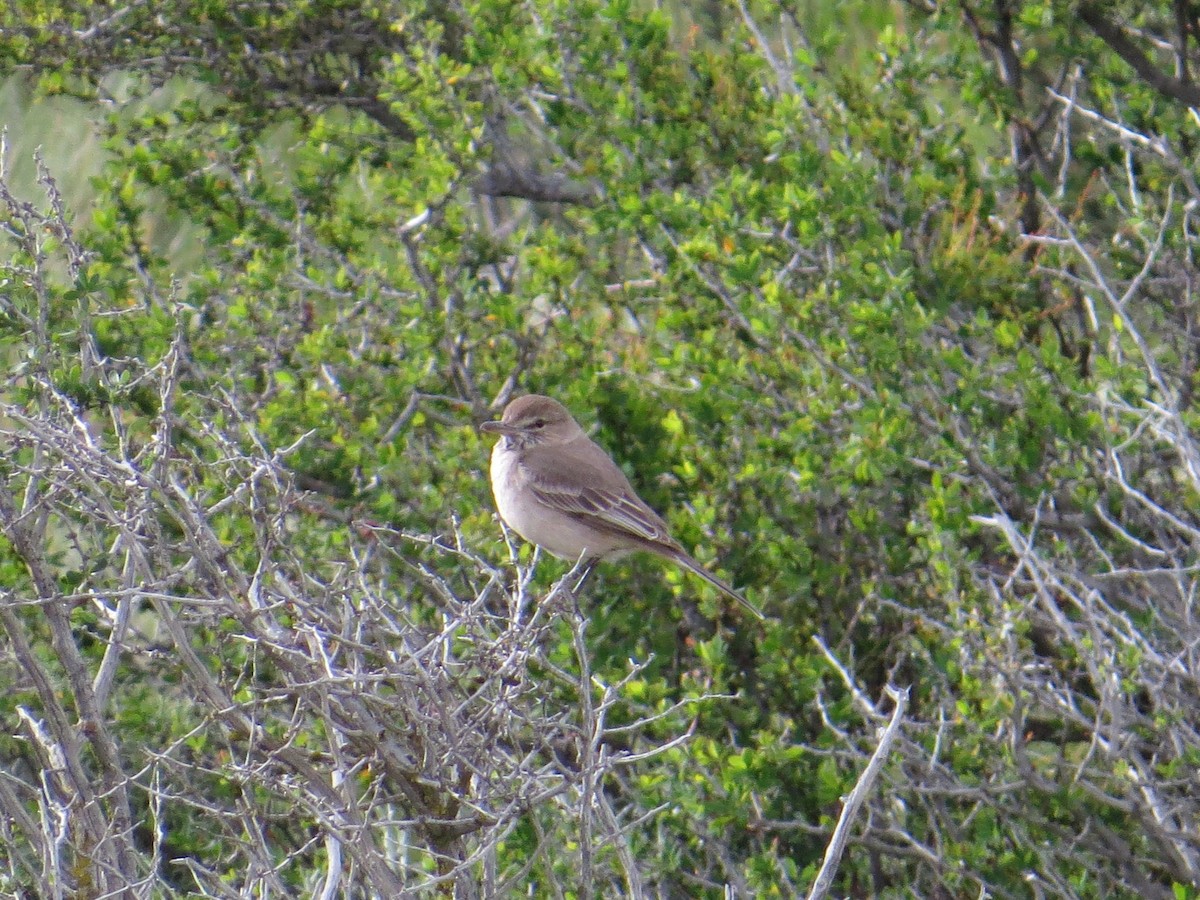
(534,420)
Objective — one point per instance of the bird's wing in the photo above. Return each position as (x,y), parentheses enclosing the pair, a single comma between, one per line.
(569,485)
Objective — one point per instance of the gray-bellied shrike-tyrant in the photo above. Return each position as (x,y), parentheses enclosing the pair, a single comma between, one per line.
(559,490)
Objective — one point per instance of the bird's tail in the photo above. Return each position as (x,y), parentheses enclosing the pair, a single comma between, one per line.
(688,563)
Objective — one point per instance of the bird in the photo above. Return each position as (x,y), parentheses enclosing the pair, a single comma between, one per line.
(562,492)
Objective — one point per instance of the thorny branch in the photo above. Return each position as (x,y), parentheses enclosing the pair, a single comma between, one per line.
(365,694)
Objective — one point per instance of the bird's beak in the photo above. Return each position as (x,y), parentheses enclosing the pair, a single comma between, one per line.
(496,428)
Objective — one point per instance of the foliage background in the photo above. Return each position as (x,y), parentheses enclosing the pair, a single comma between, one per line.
(890,305)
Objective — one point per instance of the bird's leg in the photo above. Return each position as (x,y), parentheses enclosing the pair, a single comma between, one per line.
(588,563)
(568,590)
(584,566)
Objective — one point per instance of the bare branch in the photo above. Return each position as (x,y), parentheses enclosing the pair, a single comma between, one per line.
(854,802)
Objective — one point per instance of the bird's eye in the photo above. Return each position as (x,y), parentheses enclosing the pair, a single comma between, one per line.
(539,423)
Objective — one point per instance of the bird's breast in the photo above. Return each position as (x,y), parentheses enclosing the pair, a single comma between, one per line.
(555,531)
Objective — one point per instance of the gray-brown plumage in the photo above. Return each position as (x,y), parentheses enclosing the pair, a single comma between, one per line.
(559,490)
